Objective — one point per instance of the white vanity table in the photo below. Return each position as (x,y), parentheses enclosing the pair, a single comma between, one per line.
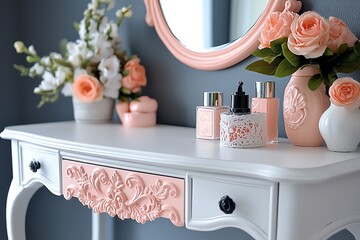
(277,192)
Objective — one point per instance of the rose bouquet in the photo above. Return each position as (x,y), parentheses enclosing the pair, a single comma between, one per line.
(290,42)
(91,68)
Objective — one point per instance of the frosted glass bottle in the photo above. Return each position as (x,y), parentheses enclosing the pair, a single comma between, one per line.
(266,102)
(208,116)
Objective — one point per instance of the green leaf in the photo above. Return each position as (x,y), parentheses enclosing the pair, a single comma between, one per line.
(348,62)
(276,45)
(77,26)
(315,82)
(342,49)
(328,52)
(285,68)
(62,62)
(293,59)
(270,59)
(263,67)
(264,52)
(24,71)
(63,48)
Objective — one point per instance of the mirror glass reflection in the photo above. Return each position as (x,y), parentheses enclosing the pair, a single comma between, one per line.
(203,25)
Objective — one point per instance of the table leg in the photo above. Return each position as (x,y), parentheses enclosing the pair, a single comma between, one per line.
(17,202)
(101,228)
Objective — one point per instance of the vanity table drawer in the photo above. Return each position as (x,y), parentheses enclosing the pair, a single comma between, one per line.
(218,201)
(38,164)
(126,194)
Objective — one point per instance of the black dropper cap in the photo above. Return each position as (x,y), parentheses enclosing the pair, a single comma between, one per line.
(240,101)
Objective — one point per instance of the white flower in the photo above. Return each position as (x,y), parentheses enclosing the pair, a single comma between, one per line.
(36,70)
(102,46)
(90,30)
(103,25)
(61,74)
(78,52)
(67,89)
(45,60)
(78,72)
(112,30)
(19,46)
(32,50)
(112,86)
(124,11)
(109,67)
(82,29)
(47,84)
(55,55)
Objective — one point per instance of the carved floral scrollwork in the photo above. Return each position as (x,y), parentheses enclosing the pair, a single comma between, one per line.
(295,108)
(104,193)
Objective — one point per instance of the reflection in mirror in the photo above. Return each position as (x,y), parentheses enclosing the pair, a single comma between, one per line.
(203,24)
(237,43)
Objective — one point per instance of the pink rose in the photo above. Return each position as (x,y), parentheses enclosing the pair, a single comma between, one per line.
(87,88)
(345,92)
(309,35)
(136,77)
(339,34)
(277,25)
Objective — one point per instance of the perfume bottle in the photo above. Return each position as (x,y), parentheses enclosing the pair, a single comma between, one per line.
(266,102)
(208,116)
(239,128)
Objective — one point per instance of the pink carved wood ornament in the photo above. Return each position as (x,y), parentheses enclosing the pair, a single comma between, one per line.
(128,195)
(221,57)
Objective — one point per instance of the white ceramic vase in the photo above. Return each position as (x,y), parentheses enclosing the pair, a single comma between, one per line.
(340,128)
(96,112)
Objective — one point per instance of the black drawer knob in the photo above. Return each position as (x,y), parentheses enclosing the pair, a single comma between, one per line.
(34,165)
(227,205)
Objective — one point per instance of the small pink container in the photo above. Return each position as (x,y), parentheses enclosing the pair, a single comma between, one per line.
(208,116)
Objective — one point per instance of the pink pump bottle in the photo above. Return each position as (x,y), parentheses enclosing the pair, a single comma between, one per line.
(266,102)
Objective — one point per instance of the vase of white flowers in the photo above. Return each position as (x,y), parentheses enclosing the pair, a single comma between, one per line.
(89,69)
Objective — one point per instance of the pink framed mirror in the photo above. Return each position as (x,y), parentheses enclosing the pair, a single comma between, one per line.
(222,54)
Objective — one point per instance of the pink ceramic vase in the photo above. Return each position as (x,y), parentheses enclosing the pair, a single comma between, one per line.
(138,113)
(302,109)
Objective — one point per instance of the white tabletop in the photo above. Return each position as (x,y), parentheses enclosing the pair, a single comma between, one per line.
(178,147)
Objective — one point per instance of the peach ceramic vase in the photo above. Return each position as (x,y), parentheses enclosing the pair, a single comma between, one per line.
(138,113)
(340,128)
(95,112)
(302,109)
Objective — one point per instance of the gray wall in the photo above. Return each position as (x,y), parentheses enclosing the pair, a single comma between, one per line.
(177,87)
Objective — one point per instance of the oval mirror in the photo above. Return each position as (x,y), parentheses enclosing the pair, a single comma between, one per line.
(209,34)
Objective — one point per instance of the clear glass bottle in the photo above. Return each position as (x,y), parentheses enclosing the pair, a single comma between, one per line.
(266,102)
(240,128)
(208,116)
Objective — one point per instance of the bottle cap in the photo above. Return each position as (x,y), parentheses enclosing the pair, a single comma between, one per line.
(265,89)
(213,99)
(240,101)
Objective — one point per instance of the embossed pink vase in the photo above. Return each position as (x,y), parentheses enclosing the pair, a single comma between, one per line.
(302,109)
